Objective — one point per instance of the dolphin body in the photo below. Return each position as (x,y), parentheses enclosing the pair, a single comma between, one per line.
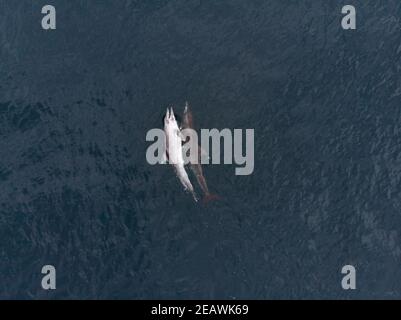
(174,155)
(195,164)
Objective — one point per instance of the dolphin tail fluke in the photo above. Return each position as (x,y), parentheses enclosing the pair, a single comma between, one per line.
(210,198)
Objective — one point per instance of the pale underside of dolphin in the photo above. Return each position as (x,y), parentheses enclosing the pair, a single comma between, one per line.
(174,154)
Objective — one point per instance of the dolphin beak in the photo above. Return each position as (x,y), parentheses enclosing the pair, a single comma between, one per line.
(172,113)
(167,114)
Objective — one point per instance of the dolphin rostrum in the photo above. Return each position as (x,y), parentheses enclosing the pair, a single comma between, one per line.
(174,150)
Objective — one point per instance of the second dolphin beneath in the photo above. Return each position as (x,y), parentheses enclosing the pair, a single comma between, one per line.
(195,163)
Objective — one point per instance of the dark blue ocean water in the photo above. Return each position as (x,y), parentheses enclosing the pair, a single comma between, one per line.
(76,191)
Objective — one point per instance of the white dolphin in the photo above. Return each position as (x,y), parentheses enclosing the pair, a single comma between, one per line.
(174,151)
